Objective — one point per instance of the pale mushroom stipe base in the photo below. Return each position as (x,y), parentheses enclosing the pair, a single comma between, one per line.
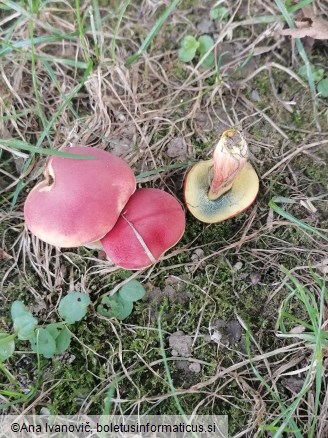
(223,187)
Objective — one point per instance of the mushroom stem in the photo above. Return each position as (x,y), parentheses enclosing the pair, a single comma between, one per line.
(230,156)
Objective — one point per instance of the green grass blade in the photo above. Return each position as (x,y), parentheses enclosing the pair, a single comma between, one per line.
(117,27)
(81,31)
(299,5)
(316,336)
(22,44)
(283,407)
(45,132)
(17,116)
(34,76)
(64,61)
(21,145)
(53,77)
(281,5)
(16,7)
(296,221)
(161,169)
(153,32)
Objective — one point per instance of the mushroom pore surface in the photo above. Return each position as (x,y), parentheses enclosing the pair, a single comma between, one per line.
(234,201)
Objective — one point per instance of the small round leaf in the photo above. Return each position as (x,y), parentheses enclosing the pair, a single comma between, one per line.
(24,326)
(115,307)
(317,73)
(219,13)
(63,341)
(323,87)
(73,307)
(205,44)
(7,346)
(43,343)
(55,329)
(127,307)
(61,335)
(188,48)
(18,309)
(132,291)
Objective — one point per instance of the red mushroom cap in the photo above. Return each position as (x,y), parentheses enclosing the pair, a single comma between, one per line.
(80,200)
(151,223)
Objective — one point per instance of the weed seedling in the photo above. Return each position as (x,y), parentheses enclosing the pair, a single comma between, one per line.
(219,13)
(49,339)
(320,81)
(190,46)
(120,305)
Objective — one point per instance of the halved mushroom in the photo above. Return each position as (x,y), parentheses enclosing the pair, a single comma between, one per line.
(80,200)
(224,186)
(151,223)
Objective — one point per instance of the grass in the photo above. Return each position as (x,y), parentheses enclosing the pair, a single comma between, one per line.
(315,338)
(63,80)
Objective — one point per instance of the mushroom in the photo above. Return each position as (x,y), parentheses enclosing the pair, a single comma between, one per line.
(224,186)
(79,200)
(151,223)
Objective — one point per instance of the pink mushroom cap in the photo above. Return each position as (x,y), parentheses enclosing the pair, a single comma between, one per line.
(151,223)
(79,200)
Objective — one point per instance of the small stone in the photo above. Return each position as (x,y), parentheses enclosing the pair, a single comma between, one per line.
(255,96)
(197,255)
(216,336)
(195,367)
(180,344)
(323,266)
(255,278)
(122,146)
(177,147)
(237,266)
(206,25)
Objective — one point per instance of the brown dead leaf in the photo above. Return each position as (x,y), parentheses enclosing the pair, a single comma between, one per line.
(309,26)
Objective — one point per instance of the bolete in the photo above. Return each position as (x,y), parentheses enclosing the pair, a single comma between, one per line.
(151,223)
(224,186)
(79,200)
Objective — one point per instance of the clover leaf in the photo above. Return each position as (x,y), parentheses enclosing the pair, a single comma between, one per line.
(73,307)
(24,322)
(61,335)
(132,291)
(219,13)
(322,87)
(188,48)
(18,309)
(205,44)
(317,73)
(7,346)
(43,343)
(115,307)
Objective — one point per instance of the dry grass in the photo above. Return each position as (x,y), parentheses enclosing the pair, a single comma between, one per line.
(136,112)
